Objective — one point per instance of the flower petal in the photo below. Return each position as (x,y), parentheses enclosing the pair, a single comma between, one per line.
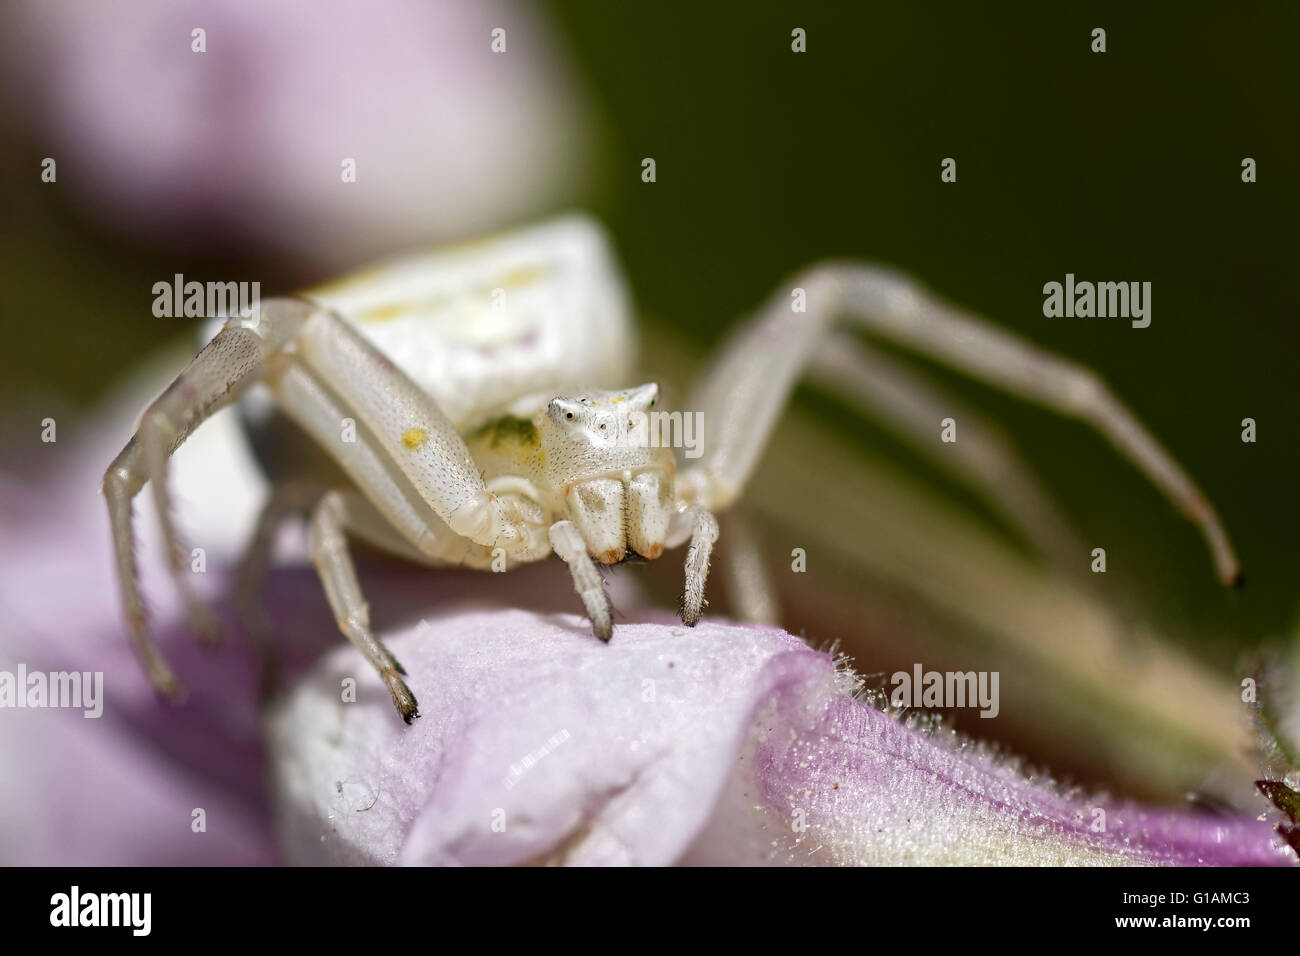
(719,744)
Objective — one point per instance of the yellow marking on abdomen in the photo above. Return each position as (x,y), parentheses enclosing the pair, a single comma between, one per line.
(382,313)
(413,438)
(524,275)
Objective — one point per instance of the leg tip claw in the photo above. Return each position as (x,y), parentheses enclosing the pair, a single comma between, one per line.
(403,699)
(689,612)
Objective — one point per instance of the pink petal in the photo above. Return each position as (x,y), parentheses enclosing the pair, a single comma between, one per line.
(722,744)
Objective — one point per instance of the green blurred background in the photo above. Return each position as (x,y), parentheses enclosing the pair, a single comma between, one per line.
(1119,166)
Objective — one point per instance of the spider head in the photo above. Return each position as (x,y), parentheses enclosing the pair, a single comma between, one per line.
(607,459)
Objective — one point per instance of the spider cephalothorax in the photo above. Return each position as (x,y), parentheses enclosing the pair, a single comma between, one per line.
(616,478)
(595,468)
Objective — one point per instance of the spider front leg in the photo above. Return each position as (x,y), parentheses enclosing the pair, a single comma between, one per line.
(751,382)
(333,514)
(234,359)
(699,525)
(568,544)
(386,509)
(329,552)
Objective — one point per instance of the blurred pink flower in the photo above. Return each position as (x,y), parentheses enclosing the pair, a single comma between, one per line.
(244,143)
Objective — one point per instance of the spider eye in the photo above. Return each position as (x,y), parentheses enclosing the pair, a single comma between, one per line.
(568,415)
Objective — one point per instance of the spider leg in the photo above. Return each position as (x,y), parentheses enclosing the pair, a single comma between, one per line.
(384,509)
(752,380)
(414,434)
(234,359)
(286,499)
(567,542)
(752,598)
(329,552)
(396,518)
(986,457)
(701,528)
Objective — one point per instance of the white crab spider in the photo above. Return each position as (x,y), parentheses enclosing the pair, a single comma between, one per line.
(475,428)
